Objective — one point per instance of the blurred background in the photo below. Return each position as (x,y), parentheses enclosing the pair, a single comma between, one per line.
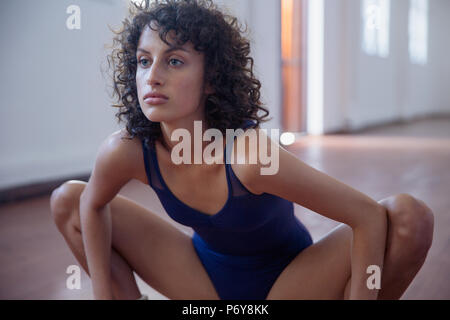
(359,87)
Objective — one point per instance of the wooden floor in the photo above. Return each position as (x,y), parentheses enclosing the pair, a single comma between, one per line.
(412,158)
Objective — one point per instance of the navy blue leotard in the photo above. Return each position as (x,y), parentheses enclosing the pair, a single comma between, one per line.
(246,245)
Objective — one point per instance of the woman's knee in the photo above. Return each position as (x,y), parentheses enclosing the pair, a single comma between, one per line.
(64,200)
(413,221)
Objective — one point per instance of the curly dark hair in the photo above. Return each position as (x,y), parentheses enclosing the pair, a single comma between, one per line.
(228,66)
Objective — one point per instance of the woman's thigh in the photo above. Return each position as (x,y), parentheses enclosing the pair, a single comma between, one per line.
(321,271)
(162,255)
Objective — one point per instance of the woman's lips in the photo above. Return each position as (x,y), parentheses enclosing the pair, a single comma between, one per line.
(154,100)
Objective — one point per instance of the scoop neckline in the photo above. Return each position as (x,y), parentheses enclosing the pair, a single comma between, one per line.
(206,215)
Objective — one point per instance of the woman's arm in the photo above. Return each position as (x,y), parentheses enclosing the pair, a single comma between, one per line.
(369,242)
(113,169)
(96,231)
(312,189)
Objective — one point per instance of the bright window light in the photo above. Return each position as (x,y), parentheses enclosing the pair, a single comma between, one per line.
(287,138)
(375,19)
(315,54)
(418,31)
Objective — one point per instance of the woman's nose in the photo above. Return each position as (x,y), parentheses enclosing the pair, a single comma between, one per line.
(155,75)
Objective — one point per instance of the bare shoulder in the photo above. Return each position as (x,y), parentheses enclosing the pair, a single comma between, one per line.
(122,139)
(248,163)
(126,152)
(116,163)
(118,158)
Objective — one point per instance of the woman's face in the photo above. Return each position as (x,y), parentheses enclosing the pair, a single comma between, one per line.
(175,72)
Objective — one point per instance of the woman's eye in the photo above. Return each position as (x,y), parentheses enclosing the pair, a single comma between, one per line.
(143,60)
(174,62)
(180,62)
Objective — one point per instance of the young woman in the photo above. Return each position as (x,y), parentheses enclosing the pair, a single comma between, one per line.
(177,62)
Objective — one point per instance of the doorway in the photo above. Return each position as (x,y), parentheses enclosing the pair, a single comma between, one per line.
(293,65)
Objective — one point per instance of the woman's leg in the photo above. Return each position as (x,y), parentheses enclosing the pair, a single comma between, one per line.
(323,270)
(410,235)
(142,242)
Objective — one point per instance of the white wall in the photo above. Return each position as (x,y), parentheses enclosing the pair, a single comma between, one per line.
(263,18)
(54,107)
(439,69)
(55,110)
(361,90)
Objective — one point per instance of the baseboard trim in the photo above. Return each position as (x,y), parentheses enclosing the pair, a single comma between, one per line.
(36,189)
